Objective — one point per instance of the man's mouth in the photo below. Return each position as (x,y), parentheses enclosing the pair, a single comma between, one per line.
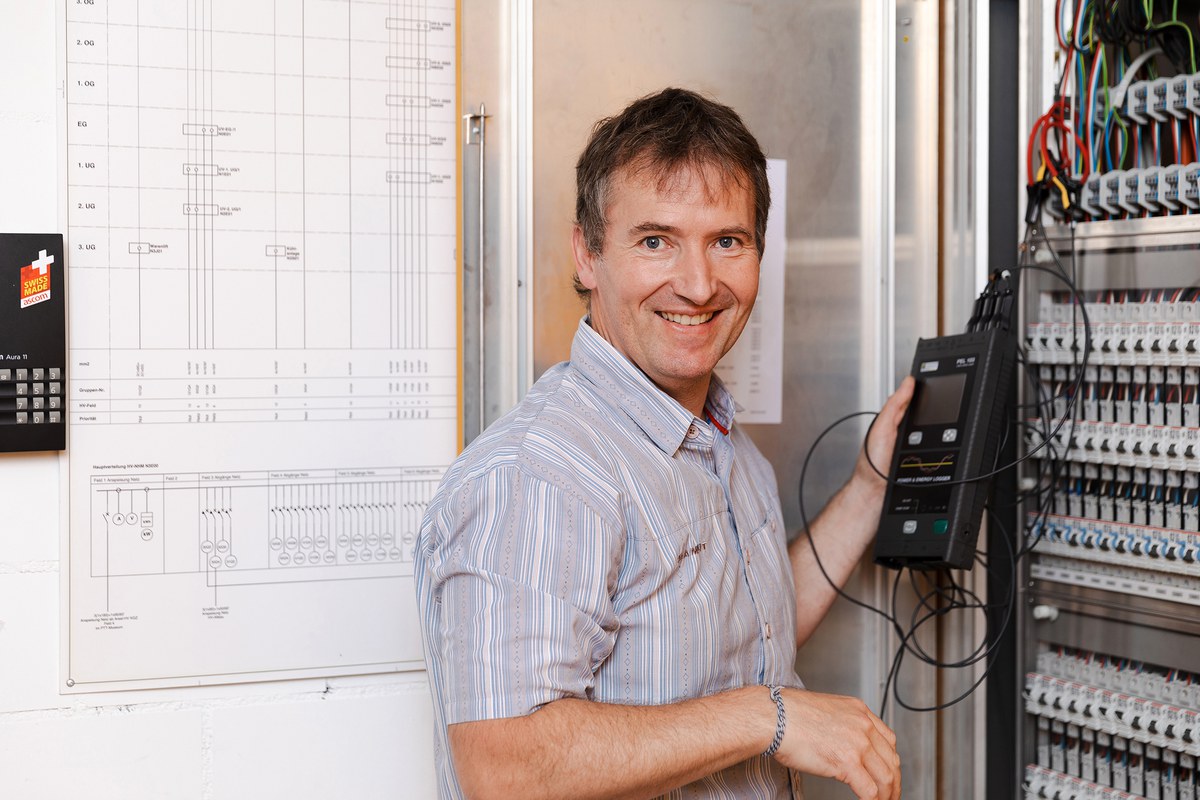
(685,319)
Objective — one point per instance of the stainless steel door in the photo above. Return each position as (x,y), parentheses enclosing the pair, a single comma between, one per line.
(847,94)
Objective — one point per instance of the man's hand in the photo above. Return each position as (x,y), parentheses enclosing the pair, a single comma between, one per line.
(882,439)
(838,737)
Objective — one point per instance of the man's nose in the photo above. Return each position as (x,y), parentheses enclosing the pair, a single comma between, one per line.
(695,277)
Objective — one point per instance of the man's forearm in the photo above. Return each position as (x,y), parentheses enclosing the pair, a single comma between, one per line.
(580,749)
(840,536)
(847,526)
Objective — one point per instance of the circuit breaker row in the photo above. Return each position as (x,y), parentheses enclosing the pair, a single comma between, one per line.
(1137,497)
(1135,546)
(1142,395)
(1128,327)
(1173,448)
(1111,728)
(1113,343)
(1124,716)
(1046,784)
(1151,681)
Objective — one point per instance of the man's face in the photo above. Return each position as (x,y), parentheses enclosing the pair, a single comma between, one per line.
(677,277)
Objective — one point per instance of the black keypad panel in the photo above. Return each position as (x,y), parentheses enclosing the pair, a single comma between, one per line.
(33,342)
(32,398)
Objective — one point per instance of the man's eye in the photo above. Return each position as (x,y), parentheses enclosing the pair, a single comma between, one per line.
(652,242)
(726,242)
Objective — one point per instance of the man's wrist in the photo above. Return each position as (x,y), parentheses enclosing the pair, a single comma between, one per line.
(865,486)
(780,721)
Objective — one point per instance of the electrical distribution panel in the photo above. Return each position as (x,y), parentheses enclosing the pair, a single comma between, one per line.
(1118,444)
(1109,612)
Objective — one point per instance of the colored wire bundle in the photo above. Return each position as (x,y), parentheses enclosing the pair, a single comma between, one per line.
(1101,121)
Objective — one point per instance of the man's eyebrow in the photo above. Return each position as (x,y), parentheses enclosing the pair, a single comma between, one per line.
(657,227)
(653,227)
(733,230)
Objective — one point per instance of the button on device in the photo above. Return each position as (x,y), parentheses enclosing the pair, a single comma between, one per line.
(910,526)
(39,374)
(941,525)
(39,403)
(22,403)
(39,388)
(22,374)
(55,416)
(5,374)
(39,417)
(915,437)
(950,435)
(22,389)
(55,402)
(55,388)
(22,417)
(54,374)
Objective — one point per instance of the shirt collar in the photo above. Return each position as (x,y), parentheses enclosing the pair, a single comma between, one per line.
(654,411)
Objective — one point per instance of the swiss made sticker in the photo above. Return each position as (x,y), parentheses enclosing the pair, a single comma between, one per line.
(35,281)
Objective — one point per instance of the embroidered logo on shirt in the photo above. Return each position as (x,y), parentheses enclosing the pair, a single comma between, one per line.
(691,551)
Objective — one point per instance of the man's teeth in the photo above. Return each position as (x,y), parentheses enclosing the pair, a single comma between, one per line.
(684,319)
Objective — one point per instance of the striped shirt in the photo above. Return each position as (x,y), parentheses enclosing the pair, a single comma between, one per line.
(601,542)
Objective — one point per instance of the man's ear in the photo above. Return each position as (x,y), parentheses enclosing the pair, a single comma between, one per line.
(585,260)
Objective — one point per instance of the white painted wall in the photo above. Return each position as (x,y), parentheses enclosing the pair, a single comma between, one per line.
(366,737)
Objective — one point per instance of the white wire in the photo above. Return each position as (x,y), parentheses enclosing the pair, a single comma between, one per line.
(1116,95)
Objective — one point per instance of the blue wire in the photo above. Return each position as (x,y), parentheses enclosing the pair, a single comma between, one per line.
(1107,154)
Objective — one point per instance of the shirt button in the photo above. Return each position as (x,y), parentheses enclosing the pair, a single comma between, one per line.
(768,630)
(692,433)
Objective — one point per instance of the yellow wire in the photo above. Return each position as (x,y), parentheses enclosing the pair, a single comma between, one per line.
(1066,197)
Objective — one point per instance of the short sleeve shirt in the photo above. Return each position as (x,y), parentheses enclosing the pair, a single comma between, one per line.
(601,542)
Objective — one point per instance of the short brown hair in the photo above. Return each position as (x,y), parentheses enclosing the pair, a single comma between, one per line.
(663,132)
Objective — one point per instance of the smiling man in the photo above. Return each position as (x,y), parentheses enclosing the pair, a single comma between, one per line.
(610,604)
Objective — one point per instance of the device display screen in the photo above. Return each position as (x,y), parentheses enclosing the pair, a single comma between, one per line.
(939,399)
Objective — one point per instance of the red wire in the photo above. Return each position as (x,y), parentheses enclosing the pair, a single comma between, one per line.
(1089,119)
(1055,119)
(1033,135)
(1063,129)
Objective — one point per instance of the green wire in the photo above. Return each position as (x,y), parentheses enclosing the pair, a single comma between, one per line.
(1123,62)
(1187,30)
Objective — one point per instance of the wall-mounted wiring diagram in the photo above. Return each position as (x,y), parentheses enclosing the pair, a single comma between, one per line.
(261,205)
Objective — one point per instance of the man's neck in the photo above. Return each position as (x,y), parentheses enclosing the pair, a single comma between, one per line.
(692,398)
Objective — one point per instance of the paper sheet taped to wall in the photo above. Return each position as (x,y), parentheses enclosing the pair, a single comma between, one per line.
(263,363)
(753,369)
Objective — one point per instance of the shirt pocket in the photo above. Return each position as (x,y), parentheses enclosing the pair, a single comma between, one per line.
(662,551)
